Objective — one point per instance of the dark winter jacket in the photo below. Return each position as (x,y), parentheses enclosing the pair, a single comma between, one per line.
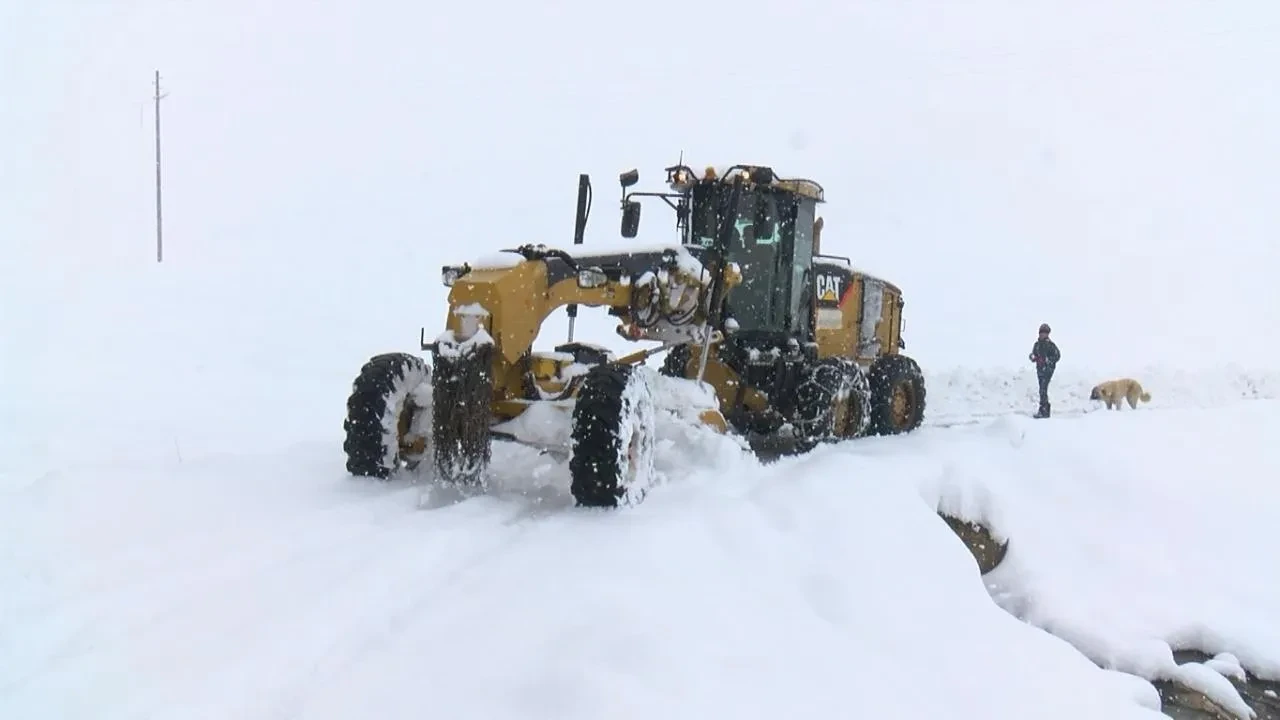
(1045,355)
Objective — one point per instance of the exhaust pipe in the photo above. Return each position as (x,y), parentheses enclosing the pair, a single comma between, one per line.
(580,229)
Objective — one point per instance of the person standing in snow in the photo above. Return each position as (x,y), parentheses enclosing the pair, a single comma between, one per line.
(1045,355)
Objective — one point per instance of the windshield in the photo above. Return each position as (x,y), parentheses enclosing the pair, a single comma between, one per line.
(761,243)
(760,302)
(771,241)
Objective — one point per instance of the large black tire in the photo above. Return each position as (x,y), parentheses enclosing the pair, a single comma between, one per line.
(853,398)
(614,439)
(828,383)
(460,426)
(386,405)
(897,395)
(676,363)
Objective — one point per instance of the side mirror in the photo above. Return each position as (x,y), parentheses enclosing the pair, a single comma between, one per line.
(630,218)
(629,178)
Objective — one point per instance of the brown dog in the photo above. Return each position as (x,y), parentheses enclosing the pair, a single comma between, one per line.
(1113,392)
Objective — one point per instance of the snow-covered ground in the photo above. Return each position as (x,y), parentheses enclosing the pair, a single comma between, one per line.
(267,583)
(966,395)
(178,538)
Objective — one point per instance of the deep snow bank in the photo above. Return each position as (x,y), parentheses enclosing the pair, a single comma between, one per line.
(1131,534)
(178,533)
(269,586)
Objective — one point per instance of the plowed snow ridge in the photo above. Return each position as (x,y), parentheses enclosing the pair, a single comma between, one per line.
(272,585)
(178,538)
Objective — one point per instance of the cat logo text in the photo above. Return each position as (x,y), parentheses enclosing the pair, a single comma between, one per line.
(829,288)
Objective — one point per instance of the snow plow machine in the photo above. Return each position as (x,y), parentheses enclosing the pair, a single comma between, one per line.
(765,337)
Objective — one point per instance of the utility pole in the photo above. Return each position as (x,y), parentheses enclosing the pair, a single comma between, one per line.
(159,215)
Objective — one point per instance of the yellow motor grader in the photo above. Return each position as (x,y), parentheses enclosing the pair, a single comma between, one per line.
(782,344)
(766,337)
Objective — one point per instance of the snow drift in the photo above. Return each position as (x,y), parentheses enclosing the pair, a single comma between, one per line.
(179,537)
(255,585)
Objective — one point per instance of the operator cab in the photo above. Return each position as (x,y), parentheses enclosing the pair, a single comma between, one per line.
(769,233)
(771,240)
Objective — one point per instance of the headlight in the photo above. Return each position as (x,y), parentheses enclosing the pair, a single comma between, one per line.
(449,275)
(592,278)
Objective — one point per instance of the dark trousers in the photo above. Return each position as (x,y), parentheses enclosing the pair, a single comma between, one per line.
(1044,375)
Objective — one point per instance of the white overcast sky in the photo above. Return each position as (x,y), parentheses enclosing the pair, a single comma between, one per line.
(1110,167)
